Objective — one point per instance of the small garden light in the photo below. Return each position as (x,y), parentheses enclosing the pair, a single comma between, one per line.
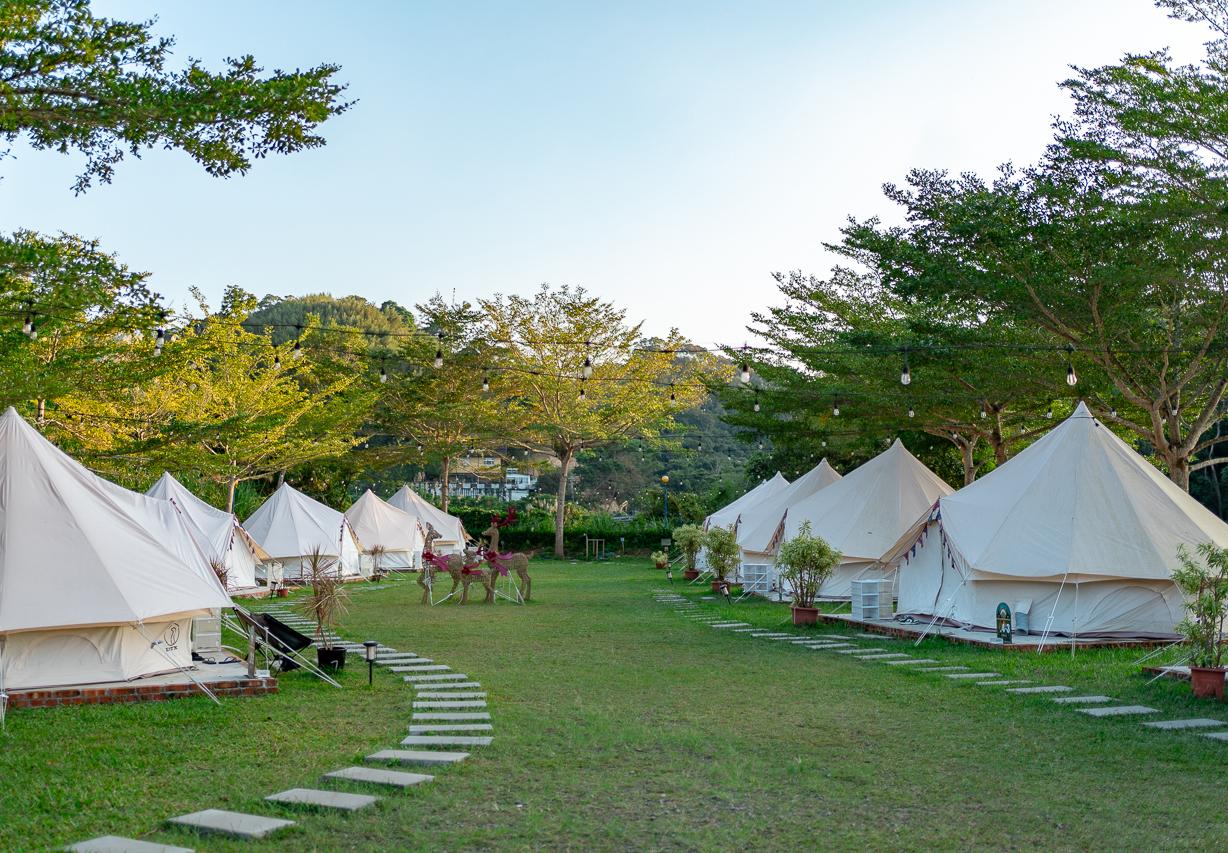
(368,650)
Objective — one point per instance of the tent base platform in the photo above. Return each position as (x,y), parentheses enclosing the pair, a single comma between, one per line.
(988,639)
(224,679)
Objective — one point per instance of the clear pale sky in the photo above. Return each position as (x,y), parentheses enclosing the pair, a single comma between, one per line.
(668,156)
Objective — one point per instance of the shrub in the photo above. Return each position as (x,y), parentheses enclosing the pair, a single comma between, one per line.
(689,538)
(805,561)
(326,602)
(723,552)
(1205,586)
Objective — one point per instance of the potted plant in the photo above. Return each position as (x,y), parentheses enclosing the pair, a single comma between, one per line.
(660,559)
(724,556)
(377,559)
(805,561)
(1205,585)
(690,539)
(324,606)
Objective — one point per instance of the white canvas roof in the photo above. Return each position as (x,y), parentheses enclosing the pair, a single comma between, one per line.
(76,550)
(449,527)
(761,521)
(217,532)
(866,512)
(728,514)
(290,525)
(378,523)
(1078,503)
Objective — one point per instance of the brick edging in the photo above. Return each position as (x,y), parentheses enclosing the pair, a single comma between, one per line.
(136,692)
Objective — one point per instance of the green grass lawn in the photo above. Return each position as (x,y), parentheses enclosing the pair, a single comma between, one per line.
(619,724)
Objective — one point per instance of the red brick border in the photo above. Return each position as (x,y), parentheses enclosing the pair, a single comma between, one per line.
(136,692)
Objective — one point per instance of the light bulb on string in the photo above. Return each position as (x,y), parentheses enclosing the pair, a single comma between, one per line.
(587,371)
(905,374)
(824,442)
(756,406)
(745,367)
(583,395)
(33,333)
(1049,414)
(983,413)
(1071,379)
(485,382)
(1113,412)
(27,325)
(383,374)
(835,409)
(298,341)
(911,413)
(672,396)
(277,362)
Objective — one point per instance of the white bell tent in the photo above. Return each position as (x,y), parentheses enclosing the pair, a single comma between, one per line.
(763,521)
(452,535)
(1079,531)
(290,526)
(861,515)
(728,515)
(381,525)
(96,583)
(217,533)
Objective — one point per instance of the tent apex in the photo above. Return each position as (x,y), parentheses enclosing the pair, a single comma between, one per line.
(1081,411)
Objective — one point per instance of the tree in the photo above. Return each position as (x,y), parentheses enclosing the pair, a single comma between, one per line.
(355,321)
(73,81)
(581,380)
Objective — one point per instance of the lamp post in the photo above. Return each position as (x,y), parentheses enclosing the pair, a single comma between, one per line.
(665,492)
(368,649)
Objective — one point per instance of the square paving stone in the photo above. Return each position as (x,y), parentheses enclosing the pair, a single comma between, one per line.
(1194,723)
(440,676)
(469,694)
(1044,688)
(728,624)
(785,637)
(233,824)
(447,740)
(417,756)
(858,651)
(1215,735)
(770,634)
(430,728)
(1083,700)
(1117,711)
(744,630)
(448,703)
(942,669)
(451,715)
(1002,682)
(339,800)
(829,645)
(375,776)
(447,685)
(973,674)
(119,844)
(887,656)
(908,661)
(875,637)
(429,667)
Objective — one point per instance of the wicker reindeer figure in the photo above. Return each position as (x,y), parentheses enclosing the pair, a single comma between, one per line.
(513,561)
(465,569)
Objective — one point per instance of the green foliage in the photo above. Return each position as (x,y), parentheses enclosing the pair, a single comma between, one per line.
(690,539)
(660,558)
(805,561)
(347,316)
(723,554)
(1205,586)
(98,86)
(326,602)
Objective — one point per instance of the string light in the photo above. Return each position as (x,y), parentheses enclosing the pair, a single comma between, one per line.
(745,367)
(298,342)
(159,341)
(835,408)
(673,398)
(583,395)
(485,382)
(439,352)
(383,374)
(32,334)
(983,413)
(756,407)
(276,362)
(1071,379)
(911,413)
(1049,414)
(906,374)
(588,362)
(27,325)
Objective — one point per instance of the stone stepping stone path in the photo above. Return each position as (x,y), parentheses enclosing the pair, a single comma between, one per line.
(231,824)
(1195,723)
(376,776)
(1083,700)
(466,703)
(447,740)
(1215,735)
(744,630)
(426,667)
(416,756)
(876,637)
(829,646)
(961,675)
(454,695)
(769,635)
(858,651)
(942,669)
(728,624)
(314,798)
(119,844)
(428,728)
(441,676)
(1044,688)
(450,685)
(908,661)
(1002,683)
(1118,711)
(451,715)
(888,656)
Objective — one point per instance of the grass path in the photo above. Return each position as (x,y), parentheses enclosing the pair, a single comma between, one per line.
(619,724)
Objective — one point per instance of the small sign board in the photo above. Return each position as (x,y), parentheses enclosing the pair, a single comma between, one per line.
(665,543)
(1004,623)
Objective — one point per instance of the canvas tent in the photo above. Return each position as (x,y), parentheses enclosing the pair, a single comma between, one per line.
(861,516)
(763,521)
(728,515)
(96,583)
(216,532)
(381,525)
(1078,529)
(290,526)
(451,531)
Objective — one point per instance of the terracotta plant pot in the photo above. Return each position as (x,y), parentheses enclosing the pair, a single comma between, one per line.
(1207,682)
(282,592)
(691,574)
(805,615)
(717,586)
(662,565)
(333,658)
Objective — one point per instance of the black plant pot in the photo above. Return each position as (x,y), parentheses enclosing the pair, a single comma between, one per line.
(333,658)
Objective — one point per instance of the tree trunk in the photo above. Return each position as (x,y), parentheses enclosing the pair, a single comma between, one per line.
(230,494)
(998,439)
(560,505)
(966,448)
(41,416)
(1178,468)
(443,487)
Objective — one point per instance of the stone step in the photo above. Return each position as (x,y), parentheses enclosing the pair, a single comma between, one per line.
(231,824)
(913,661)
(744,630)
(1083,700)
(723,625)
(422,670)
(440,676)
(1193,723)
(770,634)
(447,685)
(429,728)
(375,776)
(834,637)
(887,656)
(416,756)
(451,715)
(450,703)
(943,669)
(315,798)
(961,675)
(1117,711)
(785,638)
(1002,682)
(858,651)
(1215,735)
(463,694)
(447,740)
(829,646)
(1044,688)
(119,844)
